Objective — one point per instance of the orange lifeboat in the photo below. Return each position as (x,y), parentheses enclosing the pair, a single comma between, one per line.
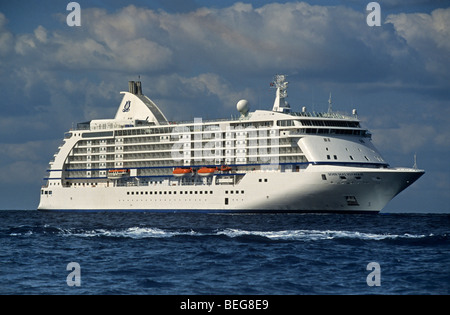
(179,172)
(117,174)
(225,168)
(206,171)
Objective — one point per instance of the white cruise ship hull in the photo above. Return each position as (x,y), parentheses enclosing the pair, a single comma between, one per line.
(316,189)
(261,161)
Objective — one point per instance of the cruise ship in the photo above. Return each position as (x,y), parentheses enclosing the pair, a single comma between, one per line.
(260,161)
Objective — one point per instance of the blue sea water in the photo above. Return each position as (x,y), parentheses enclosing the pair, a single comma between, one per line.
(186,253)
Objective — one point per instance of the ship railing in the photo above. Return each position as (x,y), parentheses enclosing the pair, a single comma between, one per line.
(336,115)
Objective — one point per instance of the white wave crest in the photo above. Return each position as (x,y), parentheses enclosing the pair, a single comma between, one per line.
(153,232)
(134,232)
(315,234)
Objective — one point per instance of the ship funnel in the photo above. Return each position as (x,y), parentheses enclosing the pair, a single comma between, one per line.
(135,87)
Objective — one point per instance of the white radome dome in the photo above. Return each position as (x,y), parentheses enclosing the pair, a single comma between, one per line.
(243,106)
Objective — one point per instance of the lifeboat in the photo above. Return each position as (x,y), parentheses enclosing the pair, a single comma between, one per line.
(206,171)
(117,174)
(225,168)
(179,172)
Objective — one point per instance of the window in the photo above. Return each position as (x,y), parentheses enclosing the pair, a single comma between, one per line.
(324,177)
(226,201)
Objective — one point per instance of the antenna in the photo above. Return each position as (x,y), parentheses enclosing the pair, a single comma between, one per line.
(280,104)
(415,161)
(330,106)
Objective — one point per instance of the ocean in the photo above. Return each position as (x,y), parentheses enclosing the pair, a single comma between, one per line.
(223,254)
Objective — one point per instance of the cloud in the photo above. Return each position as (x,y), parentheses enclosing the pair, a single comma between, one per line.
(6,37)
(406,138)
(428,35)
(413,132)
(207,50)
(23,162)
(319,42)
(201,54)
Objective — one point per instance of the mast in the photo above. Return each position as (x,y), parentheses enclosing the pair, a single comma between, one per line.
(280,104)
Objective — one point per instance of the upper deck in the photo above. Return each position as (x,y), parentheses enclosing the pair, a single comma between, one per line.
(141,139)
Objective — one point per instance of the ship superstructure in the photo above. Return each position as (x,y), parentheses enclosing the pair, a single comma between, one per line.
(278,160)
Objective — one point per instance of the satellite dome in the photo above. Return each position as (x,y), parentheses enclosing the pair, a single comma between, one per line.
(243,107)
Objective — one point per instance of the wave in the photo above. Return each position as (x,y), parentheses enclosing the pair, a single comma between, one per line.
(135,233)
(314,235)
(153,232)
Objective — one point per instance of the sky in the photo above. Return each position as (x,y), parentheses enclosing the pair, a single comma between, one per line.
(198,58)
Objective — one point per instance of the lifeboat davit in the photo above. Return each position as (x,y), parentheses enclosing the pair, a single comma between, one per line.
(179,172)
(206,171)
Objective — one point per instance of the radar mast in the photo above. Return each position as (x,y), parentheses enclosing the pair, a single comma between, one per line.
(280,104)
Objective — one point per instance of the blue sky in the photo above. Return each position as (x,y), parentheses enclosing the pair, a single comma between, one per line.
(198,58)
